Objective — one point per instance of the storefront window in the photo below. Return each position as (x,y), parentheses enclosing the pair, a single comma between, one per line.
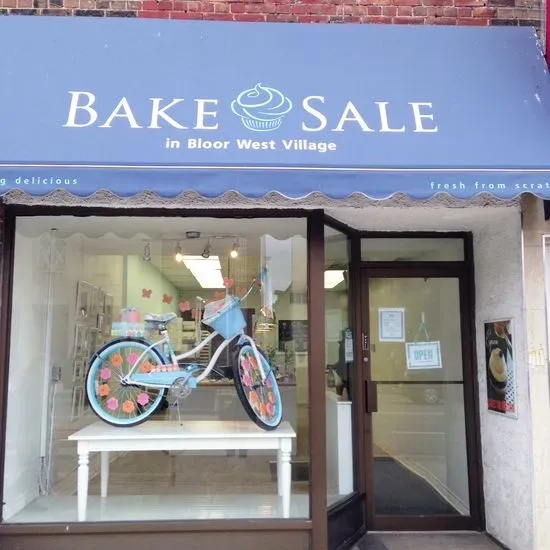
(446,249)
(196,412)
(339,358)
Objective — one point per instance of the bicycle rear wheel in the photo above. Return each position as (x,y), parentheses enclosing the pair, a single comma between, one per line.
(122,404)
(261,401)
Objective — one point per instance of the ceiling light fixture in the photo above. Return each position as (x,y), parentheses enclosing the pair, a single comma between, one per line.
(235,250)
(179,255)
(207,272)
(206,252)
(333,277)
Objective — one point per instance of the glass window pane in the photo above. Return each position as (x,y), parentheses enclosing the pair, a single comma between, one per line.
(432,300)
(412,250)
(94,280)
(339,371)
(419,430)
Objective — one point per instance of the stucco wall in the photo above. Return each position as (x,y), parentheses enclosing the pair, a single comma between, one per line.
(507,452)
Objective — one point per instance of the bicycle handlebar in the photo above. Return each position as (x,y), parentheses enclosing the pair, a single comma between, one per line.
(260,276)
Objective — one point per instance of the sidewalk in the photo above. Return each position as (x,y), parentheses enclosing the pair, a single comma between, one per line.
(412,541)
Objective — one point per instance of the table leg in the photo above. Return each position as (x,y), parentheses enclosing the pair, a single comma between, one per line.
(279,473)
(82,491)
(104,473)
(286,475)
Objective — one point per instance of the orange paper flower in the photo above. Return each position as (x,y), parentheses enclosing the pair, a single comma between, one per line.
(116,360)
(104,390)
(146,367)
(128,406)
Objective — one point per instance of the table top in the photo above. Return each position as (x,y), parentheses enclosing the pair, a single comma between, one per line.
(194,429)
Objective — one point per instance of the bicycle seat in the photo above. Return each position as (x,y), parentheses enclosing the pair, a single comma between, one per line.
(163,318)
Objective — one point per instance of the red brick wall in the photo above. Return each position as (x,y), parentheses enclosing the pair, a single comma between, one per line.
(442,12)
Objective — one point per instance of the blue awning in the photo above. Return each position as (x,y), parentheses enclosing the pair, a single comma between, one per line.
(168,106)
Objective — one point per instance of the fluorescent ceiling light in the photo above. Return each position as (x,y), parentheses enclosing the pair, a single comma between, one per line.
(333,277)
(207,271)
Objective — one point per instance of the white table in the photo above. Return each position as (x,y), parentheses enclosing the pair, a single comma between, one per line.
(164,435)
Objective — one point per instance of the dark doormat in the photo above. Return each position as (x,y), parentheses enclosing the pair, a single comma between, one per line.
(398,491)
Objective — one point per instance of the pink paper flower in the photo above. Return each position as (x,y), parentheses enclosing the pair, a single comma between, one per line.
(105,373)
(132,358)
(228,283)
(246,381)
(112,404)
(270,409)
(142,399)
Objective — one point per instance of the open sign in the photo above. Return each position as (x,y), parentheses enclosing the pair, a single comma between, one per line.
(423,355)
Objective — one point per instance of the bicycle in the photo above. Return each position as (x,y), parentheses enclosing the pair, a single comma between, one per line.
(128,377)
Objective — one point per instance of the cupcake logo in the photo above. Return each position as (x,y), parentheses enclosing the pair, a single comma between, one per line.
(261,109)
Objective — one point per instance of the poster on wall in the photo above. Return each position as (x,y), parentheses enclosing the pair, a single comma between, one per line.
(500,368)
(391,324)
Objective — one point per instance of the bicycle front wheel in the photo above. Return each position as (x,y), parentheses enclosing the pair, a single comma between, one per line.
(117,403)
(261,401)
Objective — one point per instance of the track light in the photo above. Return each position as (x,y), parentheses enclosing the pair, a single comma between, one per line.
(179,255)
(235,250)
(146,252)
(206,252)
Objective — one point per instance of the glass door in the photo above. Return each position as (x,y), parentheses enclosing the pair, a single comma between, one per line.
(417,458)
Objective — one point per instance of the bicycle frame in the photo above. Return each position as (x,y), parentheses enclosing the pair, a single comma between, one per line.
(213,360)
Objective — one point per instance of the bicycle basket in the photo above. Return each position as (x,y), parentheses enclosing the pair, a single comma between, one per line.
(225,316)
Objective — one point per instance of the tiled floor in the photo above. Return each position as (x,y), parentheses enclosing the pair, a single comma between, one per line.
(409,541)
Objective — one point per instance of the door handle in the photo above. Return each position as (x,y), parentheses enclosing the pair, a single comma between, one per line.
(371,397)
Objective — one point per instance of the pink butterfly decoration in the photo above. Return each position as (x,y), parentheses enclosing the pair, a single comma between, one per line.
(167,299)
(146,292)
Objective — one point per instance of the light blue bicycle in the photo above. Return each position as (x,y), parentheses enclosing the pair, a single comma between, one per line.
(128,377)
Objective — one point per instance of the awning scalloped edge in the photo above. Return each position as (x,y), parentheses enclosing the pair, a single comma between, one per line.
(234,199)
